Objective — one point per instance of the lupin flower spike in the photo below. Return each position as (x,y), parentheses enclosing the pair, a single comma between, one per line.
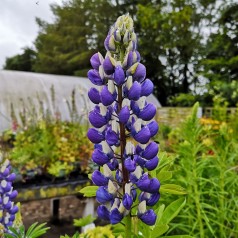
(122,112)
(7,195)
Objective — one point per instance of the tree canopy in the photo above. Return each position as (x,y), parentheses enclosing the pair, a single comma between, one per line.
(183,43)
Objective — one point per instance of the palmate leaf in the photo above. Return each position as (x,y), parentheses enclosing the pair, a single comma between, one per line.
(89,191)
(84,221)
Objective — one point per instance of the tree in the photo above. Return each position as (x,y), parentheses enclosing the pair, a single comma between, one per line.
(220,64)
(65,46)
(22,62)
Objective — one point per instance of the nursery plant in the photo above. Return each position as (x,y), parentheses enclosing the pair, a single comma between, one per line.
(207,166)
(126,183)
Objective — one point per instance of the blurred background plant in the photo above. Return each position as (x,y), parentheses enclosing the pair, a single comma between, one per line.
(39,143)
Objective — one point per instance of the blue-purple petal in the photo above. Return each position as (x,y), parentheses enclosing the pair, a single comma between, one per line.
(130,164)
(135,91)
(99,157)
(96,119)
(108,67)
(124,115)
(112,137)
(106,97)
(99,179)
(149,217)
(94,95)
(127,201)
(103,196)
(115,216)
(153,127)
(94,77)
(143,136)
(140,73)
(95,61)
(103,212)
(95,136)
(151,150)
(152,164)
(147,88)
(148,112)
(119,75)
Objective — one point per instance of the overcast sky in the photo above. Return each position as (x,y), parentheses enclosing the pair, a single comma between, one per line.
(18,27)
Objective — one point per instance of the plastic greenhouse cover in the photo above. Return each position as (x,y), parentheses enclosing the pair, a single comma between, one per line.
(23,91)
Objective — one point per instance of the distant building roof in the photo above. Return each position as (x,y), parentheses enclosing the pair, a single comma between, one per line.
(25,90)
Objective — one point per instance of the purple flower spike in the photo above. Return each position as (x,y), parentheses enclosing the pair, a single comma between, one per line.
(124,115)
(149,217)
(152,164)
(99,157)
(127,201)
(135,91)
(153,127)
(119,75)
(106,97)
(94,77)
(115,216)
(150,151)
(147,87)
(95,136)
(95,61)
(96,119)
(99,179)
(130,164)
(143,136)
(103,212)
(94,95)
(108,67)
(103,196)
(148,112)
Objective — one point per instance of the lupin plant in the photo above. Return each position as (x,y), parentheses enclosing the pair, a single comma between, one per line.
(123,128)
(7,195)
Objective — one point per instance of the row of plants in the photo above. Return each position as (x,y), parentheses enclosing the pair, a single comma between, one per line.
(42,147)
(206,164)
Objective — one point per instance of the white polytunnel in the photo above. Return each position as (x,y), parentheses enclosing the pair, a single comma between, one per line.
(21,91)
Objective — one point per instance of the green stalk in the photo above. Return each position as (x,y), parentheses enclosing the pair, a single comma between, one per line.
(197,197)
(128,224)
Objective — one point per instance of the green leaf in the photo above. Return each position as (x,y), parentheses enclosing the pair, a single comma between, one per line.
(159,211)
(172,210)
(178,236)
(84,221)
(159,230)
(164,175)
(89,191)
(173,189)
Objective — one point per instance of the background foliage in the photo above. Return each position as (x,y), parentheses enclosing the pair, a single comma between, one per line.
(188,47)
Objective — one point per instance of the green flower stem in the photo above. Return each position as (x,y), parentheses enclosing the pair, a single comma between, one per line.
(197,197)
(128,224)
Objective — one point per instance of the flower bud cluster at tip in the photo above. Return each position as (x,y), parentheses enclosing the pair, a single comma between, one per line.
(7,195)
(122,112)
